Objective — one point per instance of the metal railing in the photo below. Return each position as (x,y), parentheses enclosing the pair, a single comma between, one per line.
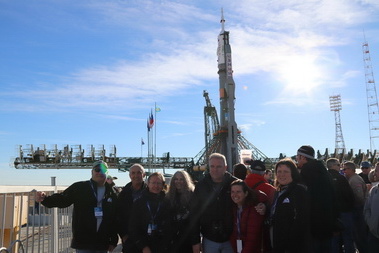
(21,247)
(27,227)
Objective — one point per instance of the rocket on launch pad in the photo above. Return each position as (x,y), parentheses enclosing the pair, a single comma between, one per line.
(228,127)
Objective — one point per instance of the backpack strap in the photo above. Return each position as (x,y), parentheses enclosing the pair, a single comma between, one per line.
(257,184)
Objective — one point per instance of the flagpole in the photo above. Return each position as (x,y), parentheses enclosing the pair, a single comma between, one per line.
(141,147)
(148,144)
(155,130)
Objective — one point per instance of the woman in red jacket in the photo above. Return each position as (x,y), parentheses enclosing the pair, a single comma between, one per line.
(248,223)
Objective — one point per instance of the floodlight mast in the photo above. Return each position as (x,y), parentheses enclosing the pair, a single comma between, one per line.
(336,107)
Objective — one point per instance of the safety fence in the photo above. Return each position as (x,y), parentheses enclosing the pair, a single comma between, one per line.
(27,226)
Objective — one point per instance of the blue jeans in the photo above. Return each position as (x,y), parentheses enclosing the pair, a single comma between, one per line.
(216,247)
(90,251)
(346,236)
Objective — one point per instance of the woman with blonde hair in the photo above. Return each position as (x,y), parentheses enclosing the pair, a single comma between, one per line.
(179,195)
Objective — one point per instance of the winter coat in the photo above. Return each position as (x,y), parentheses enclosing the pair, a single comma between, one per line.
(343,192)
(290,220)
(150,224)
(253,179)
(320,189)
(181,237)
(124,207)
(251,225)
(371,211)
(84,223)
(211,210)
(359,189)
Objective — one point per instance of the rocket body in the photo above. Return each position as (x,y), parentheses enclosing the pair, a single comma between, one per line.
(228,126)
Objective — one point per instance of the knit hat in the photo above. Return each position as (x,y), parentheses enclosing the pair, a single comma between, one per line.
(306,151)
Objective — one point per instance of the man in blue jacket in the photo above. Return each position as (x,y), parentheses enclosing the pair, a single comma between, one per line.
(93,220)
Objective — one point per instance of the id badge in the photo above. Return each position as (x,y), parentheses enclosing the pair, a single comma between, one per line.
(149,229)
(154,227)
(239,246)
(98,212)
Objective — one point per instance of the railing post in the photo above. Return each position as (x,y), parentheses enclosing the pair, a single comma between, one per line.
(54,224)
(3,250)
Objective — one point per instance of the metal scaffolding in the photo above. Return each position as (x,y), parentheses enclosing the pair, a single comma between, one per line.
(335,106)
(372,98)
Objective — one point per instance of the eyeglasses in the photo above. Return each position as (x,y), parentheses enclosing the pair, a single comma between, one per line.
(156,183)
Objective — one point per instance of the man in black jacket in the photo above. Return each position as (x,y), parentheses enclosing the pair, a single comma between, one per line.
(93,220)
(128,196)
(211,209)
(344,204)
(321,195)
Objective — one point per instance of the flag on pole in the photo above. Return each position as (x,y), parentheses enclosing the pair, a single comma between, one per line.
(142,142)
(151,120)
(157,109)
(148,125)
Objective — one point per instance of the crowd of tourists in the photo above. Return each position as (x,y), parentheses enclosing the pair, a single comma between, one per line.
(301,206)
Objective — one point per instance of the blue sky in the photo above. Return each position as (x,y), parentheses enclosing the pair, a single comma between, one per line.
(89,72)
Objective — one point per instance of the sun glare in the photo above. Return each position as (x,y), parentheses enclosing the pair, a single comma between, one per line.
(300,75)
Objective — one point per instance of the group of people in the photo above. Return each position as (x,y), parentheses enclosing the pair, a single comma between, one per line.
(307,208)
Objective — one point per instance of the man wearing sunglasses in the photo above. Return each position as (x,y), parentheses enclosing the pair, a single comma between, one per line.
(93,220)
(366,168)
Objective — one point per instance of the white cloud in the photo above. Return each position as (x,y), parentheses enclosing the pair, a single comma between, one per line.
(290,40)
(250,124)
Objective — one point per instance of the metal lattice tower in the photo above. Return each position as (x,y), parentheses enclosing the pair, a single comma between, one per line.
(214,137)
(372,98)
(335,106)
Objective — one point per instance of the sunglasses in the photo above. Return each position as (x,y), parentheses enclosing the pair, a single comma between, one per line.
(101,168)
(97,169)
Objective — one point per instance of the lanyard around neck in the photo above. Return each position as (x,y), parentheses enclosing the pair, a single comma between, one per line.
(239,213)
(151,214)
(95,193)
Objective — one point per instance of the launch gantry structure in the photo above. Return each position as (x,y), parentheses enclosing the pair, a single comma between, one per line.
(372,98)
(214,135)
(75,157)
